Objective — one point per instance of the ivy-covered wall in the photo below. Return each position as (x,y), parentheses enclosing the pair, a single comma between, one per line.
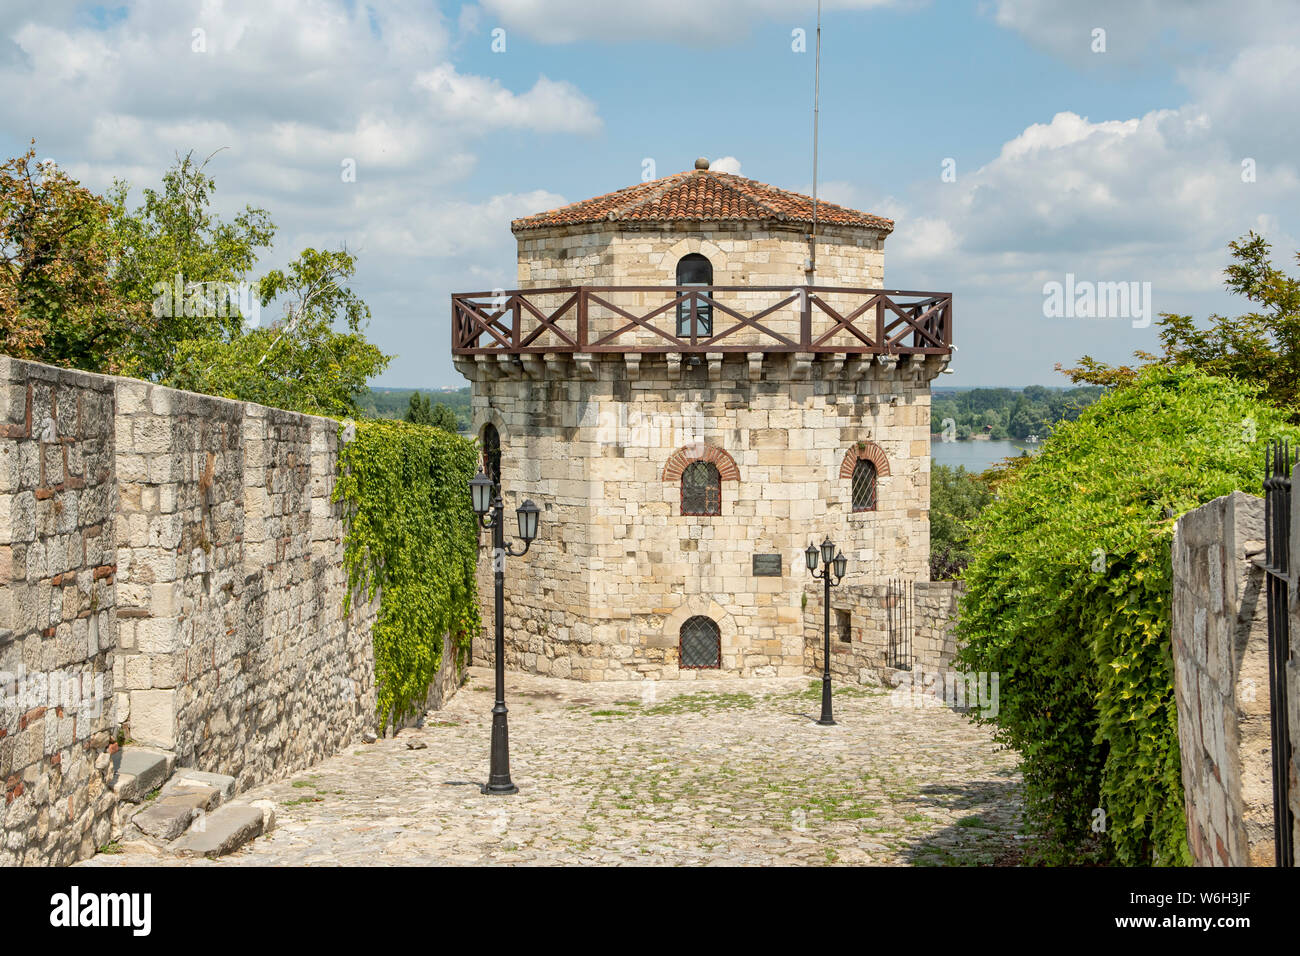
(412,542)
(1068,599)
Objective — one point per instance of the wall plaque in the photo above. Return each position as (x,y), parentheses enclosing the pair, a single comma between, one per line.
(767,565)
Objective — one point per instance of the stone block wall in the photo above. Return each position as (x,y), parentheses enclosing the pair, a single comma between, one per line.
(919,617)
(235,653)
(618,568)
(176,557)
(741,254)
(58,588)
(1220,651)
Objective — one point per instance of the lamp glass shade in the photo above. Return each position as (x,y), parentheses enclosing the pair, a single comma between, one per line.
(828,551)
(528,513)
(480,488)
(811,557)
(841,564)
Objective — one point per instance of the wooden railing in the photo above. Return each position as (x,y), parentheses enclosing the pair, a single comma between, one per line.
(692,319)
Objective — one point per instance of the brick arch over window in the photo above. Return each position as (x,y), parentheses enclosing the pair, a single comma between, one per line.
(869,451)
(726,465)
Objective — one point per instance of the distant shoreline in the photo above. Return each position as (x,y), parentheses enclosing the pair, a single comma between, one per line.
(938,436)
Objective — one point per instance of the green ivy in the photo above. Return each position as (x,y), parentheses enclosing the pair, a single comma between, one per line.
(1068,599)
(412,538)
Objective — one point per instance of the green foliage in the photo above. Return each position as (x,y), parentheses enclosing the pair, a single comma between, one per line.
(419,411)
(57,304)
(444,418)
(171,242)
(302,364)
(956,499)
(1003,413)
(1068,599)
(164,292)
(396,403)
(413,539)
(1260,346)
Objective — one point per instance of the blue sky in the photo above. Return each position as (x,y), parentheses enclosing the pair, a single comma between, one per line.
(1115,165)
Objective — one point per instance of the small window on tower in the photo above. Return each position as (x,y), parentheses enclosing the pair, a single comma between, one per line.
(701,643)
(701,489)
(844,622)
(692,270)
(864,486)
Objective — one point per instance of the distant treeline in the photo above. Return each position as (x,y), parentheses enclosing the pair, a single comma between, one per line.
(1008,412)
(394,402)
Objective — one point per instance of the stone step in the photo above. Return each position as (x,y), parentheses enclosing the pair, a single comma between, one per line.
(138,771)
(175,809)
(225,785)
(223,831)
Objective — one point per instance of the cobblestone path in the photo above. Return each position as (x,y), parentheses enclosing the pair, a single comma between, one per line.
(689,772)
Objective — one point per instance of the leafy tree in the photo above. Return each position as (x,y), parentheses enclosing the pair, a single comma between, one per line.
(175,254)
(419,411)
(956,499)
(1259,346)
(1068,600)
(444,418)
(301,363)
(57,302)
(1007,413)
(87,283)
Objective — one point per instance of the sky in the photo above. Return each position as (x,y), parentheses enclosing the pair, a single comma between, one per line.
(1017,143)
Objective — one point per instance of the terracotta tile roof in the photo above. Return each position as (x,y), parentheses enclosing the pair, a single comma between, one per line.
(701,195)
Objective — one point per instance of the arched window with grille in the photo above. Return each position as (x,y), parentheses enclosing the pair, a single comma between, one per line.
(864,486)
(492,454)
(694,269)
(701,643)
(701,489)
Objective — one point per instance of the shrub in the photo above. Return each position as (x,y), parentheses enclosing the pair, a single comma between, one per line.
(1068,599)
(411,537)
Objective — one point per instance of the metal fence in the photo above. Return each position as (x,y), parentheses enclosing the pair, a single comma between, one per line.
(1277,536)
(900,609)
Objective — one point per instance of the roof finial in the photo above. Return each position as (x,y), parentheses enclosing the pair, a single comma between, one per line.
(701,163)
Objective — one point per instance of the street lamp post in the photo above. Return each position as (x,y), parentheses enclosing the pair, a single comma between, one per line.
(836,563)
(490,509)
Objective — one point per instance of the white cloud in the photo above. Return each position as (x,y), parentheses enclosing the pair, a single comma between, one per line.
(686,22)
(727,164)
(1136,30)
(549,106)
(283,92)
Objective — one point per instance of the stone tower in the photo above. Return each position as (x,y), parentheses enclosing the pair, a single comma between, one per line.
(694,388)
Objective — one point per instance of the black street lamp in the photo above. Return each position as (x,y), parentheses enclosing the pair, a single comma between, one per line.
(836,563)
(491,514)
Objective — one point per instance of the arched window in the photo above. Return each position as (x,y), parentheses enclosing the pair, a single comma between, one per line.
(492,454)
(701,643)
(864,486)
(701,489)
(694,269)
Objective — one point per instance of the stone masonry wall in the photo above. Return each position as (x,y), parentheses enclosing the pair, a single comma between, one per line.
(234,651)
(177,558)
(877,613)
(598,441)
(741,254)
(1220,650)
(618,568)
(58,587)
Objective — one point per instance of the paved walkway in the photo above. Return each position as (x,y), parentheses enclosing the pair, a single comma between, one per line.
(689,772)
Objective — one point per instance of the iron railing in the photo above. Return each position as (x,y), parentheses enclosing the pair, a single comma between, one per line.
(1278,459)
(899,607)
(591,319)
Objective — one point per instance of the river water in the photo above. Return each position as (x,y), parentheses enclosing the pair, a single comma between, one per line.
(977,455)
